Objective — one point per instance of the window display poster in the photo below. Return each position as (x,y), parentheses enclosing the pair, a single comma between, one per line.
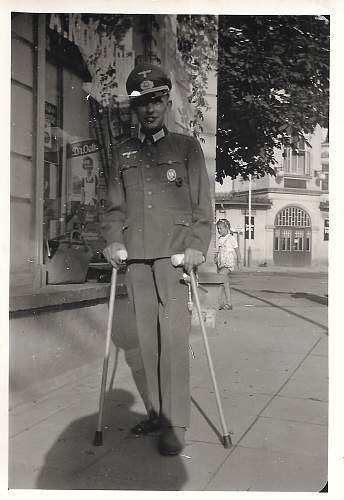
(85,189)
(84,164)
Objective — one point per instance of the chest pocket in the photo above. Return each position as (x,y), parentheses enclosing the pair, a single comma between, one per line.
(130,171)
(172,170)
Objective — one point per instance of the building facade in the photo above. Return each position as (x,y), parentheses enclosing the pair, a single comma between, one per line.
(60,128)
(289,211)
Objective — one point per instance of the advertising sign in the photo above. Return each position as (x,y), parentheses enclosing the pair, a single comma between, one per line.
(246,227)
(84,164)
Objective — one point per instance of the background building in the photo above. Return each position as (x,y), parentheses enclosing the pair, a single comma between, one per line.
(290,212)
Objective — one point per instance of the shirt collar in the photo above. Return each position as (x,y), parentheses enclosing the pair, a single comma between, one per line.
(156,137)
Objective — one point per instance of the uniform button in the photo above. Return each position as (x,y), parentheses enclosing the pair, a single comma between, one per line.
(149,206)
(149,192)
(148,179)
(147,166)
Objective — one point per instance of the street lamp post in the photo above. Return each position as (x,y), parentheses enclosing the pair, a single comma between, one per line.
(249,219)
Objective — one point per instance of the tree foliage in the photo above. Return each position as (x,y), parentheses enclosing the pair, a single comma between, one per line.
(197,44)
(273,88)
(273,79)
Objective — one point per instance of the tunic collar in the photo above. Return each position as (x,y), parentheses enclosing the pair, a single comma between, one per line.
(156,137)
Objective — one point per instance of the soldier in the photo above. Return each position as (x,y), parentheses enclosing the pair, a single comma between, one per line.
(159,204)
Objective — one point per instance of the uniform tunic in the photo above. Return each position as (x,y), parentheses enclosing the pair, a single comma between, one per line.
(159,197)
(159,204)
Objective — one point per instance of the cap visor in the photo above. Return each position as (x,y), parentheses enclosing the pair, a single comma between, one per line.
(163,90)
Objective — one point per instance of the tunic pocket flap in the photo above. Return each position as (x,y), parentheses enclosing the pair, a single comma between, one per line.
(126,163)
(168,161)
(183,219)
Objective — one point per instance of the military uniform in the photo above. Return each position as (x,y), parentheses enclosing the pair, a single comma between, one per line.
(158,205)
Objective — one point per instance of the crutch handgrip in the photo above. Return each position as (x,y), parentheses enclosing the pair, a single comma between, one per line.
(177,259)
(122,255)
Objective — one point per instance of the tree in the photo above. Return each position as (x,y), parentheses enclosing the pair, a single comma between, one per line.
(273,79)
(273,88)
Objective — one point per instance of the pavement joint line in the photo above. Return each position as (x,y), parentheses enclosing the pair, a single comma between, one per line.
(12,436)
(309,320)
(46,397)
(303,399)
(231,451)
(293,420)
(93,365)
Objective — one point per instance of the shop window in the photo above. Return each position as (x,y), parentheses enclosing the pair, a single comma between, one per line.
(54,154)
(326,229)
(78,136)
(297,159)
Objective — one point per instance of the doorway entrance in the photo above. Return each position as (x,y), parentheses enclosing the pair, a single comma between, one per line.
(292,238)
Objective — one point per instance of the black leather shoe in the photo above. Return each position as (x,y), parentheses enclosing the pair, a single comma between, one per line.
(172,440)
(152,424)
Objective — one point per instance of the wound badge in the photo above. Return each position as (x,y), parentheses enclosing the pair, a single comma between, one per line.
(171,175)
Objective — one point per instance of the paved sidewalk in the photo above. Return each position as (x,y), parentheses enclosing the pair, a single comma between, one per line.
(286,269)
(271,366)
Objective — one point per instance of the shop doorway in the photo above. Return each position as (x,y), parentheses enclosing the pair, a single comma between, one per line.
(292,238)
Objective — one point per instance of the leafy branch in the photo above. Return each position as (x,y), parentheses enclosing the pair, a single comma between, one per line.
(197,44)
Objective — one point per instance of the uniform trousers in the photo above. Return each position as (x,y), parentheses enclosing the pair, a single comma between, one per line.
(159,301)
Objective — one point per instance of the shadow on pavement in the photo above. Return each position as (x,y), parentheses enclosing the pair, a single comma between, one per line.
(320,299)
(285,309)
(124,462)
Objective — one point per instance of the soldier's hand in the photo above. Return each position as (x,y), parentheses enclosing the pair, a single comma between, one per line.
(114,254)
(192,259)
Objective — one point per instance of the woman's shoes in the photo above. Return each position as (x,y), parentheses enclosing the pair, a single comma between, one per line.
(228,307)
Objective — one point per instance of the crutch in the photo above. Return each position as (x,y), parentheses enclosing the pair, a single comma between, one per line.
(178,260)
(98,437)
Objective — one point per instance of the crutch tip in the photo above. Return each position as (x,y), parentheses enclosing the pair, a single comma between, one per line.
(98,438)
(227,442)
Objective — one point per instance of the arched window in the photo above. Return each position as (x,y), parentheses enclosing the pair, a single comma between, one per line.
(293,216)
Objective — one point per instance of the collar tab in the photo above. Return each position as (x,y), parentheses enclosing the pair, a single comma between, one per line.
(156,137)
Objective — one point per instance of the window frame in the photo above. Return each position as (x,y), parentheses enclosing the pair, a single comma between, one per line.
(301,150)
